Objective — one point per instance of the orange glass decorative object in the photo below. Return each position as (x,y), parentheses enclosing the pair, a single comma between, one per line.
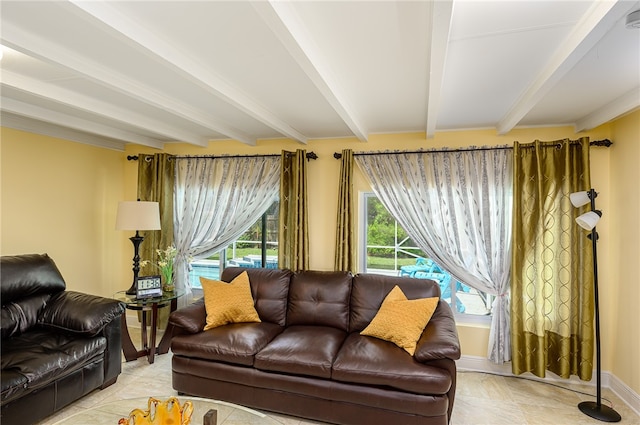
(167,412)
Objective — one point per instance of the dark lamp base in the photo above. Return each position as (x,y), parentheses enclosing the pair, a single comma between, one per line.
(599,412)
(132,290)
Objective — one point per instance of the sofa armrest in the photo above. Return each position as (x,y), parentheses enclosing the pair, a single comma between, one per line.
(190,319)
(78,313)
(439,339)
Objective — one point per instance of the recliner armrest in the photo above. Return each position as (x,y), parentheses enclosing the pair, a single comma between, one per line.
(78,313)
(190,319)
(439,339)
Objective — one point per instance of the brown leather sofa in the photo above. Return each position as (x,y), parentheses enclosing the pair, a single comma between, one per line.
(307,357)
(57,345)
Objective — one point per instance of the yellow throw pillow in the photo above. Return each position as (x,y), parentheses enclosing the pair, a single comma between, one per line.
(400,320)
(228,302)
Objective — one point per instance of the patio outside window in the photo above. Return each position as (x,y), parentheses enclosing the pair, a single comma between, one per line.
(389,250)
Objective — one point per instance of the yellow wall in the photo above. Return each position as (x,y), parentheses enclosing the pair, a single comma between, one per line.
(622,284)
(62,199)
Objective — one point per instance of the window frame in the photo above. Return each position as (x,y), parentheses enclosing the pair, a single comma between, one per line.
(363,224)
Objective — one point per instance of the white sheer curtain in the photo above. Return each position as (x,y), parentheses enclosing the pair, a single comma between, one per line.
(216,200)
(457,207)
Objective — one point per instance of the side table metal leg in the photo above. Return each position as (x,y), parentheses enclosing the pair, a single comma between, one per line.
(128,349)
(154,326)
(143,332)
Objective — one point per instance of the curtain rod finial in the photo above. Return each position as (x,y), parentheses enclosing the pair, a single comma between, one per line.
(605,142)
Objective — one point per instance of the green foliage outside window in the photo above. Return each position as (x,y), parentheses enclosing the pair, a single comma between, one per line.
(383,230)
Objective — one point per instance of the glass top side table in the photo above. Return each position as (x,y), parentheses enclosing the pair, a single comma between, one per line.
(144,305)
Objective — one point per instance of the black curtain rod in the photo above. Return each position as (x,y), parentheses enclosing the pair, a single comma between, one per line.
(309,155)
(337,155)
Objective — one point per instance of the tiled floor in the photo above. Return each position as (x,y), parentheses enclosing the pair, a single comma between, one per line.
(480,398)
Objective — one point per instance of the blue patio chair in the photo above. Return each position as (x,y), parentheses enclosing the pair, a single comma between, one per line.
(444,281)
(422,265)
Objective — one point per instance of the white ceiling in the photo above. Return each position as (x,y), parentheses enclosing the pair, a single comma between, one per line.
(149,72)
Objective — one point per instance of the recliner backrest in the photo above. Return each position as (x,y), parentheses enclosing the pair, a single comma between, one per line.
(26,284)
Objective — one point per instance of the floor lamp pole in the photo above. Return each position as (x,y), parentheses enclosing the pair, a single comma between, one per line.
(596,409)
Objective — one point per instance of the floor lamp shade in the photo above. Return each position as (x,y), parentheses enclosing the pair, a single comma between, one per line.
(137,215)
(579,199)
(588,220)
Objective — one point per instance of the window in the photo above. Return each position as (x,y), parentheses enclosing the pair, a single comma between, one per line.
(246,251)
(389,250)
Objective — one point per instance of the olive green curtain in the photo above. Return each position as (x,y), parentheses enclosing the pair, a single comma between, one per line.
(346,245)
(156,179)
(293,235)
(552,306)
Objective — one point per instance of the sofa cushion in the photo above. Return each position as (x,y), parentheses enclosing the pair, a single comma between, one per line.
(319,298)
(27,275)
(228,302)
(77,313)
(21,315)
(13,384)
(42,357)
(235,343)
(369,290)
(270,291)
(302,350)
(372,361)
(400,320)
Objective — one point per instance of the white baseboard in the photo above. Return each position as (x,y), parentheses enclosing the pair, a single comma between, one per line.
(625,393)
(622,390)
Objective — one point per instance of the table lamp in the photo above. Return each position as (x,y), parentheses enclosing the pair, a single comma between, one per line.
(137,215)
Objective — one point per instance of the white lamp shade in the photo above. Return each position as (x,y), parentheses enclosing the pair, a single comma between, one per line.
(588,220)
(579,199)
(138,215)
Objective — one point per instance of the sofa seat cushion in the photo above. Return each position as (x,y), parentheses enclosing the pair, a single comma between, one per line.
(235,343)
(371,361)
(41,357)
(302,350)
(13,384)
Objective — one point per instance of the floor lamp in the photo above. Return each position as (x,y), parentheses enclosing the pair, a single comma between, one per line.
(137,215)
(588,221)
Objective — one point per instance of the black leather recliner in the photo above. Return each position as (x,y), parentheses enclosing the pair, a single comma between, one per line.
(57,345)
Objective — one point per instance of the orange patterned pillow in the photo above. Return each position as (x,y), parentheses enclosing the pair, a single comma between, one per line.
(400,320)
(228,302)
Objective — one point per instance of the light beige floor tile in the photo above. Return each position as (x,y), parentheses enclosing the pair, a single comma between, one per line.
(480,399)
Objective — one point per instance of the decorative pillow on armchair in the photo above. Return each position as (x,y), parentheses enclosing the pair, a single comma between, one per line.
(228,302)
(400,320)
